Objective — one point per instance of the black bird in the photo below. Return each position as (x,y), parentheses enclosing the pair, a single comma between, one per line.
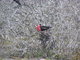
(17,1)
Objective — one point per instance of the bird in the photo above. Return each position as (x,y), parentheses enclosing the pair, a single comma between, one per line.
(42,28)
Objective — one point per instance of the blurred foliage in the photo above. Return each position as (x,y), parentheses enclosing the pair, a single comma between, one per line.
(48,59)
(7,42)
(24,38)
(39,53)
(1,58)
(76,56)
(35,54)
(4,41)
(61,56)
(58,56)
(1,23)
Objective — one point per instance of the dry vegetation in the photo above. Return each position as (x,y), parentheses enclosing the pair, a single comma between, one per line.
(20,40)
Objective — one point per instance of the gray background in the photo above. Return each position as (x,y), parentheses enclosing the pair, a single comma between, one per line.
(18,36)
